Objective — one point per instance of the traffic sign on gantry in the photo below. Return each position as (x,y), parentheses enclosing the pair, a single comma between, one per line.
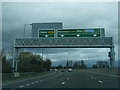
(46,33)
(97,32)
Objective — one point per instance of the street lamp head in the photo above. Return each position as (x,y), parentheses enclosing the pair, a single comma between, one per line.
(62,35)
(46,35)
(78,35)
(94,35)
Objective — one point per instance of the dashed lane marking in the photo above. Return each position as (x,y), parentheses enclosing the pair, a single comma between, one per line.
(67,78)
(92,77)
(100,81)
(27,84)
(63,83)
(21,86)
(36,81)
(33,83)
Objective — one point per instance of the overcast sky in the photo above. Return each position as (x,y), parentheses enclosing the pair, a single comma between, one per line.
(72,14)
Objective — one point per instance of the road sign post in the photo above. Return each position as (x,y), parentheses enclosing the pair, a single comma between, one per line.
(112,56)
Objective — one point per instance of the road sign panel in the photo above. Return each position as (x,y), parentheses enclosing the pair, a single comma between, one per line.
(78,33)
(46,33)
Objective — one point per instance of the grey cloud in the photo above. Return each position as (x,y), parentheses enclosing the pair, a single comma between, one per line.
(73,15)
(80,54)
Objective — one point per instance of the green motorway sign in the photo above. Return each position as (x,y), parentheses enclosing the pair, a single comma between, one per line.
(78,33)
(46,33)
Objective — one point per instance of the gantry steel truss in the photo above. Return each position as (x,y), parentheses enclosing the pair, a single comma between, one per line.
(78,42)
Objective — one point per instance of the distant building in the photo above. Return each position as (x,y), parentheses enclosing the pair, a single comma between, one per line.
(102,64)
(69,63)
(106,65)
(44,26)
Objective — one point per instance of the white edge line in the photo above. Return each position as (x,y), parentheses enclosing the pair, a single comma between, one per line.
(23,80)
(103,74)
(21,86)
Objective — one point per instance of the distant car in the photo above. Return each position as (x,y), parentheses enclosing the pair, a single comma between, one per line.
(56,70)
(62,70)
(70,70)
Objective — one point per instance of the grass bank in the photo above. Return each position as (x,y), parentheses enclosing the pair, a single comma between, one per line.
(10,76)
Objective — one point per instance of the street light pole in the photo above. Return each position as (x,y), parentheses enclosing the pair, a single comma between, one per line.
(24,29)
(47,53)
(42,53)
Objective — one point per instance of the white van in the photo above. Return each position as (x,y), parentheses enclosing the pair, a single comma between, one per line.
(56,70)
(70,70)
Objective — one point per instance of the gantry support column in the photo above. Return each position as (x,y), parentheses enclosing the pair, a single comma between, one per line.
(112,57)
(15,59)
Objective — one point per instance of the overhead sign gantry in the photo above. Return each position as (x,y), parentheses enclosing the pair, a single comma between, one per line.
(52,35)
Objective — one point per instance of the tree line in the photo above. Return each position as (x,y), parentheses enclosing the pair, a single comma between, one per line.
(27,62)
(81,65)
(71,64)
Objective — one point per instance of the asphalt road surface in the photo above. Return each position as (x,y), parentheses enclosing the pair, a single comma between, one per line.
(75,79)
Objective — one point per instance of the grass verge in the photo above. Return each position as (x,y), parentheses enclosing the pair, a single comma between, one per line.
(11,77)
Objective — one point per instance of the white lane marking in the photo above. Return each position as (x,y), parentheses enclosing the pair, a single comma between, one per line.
(27,84)
(21,86)
(32,82)
(63,83)
(13,89)
(24,80)
(92,77)
(67,78)
(36,81)
(100,81)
